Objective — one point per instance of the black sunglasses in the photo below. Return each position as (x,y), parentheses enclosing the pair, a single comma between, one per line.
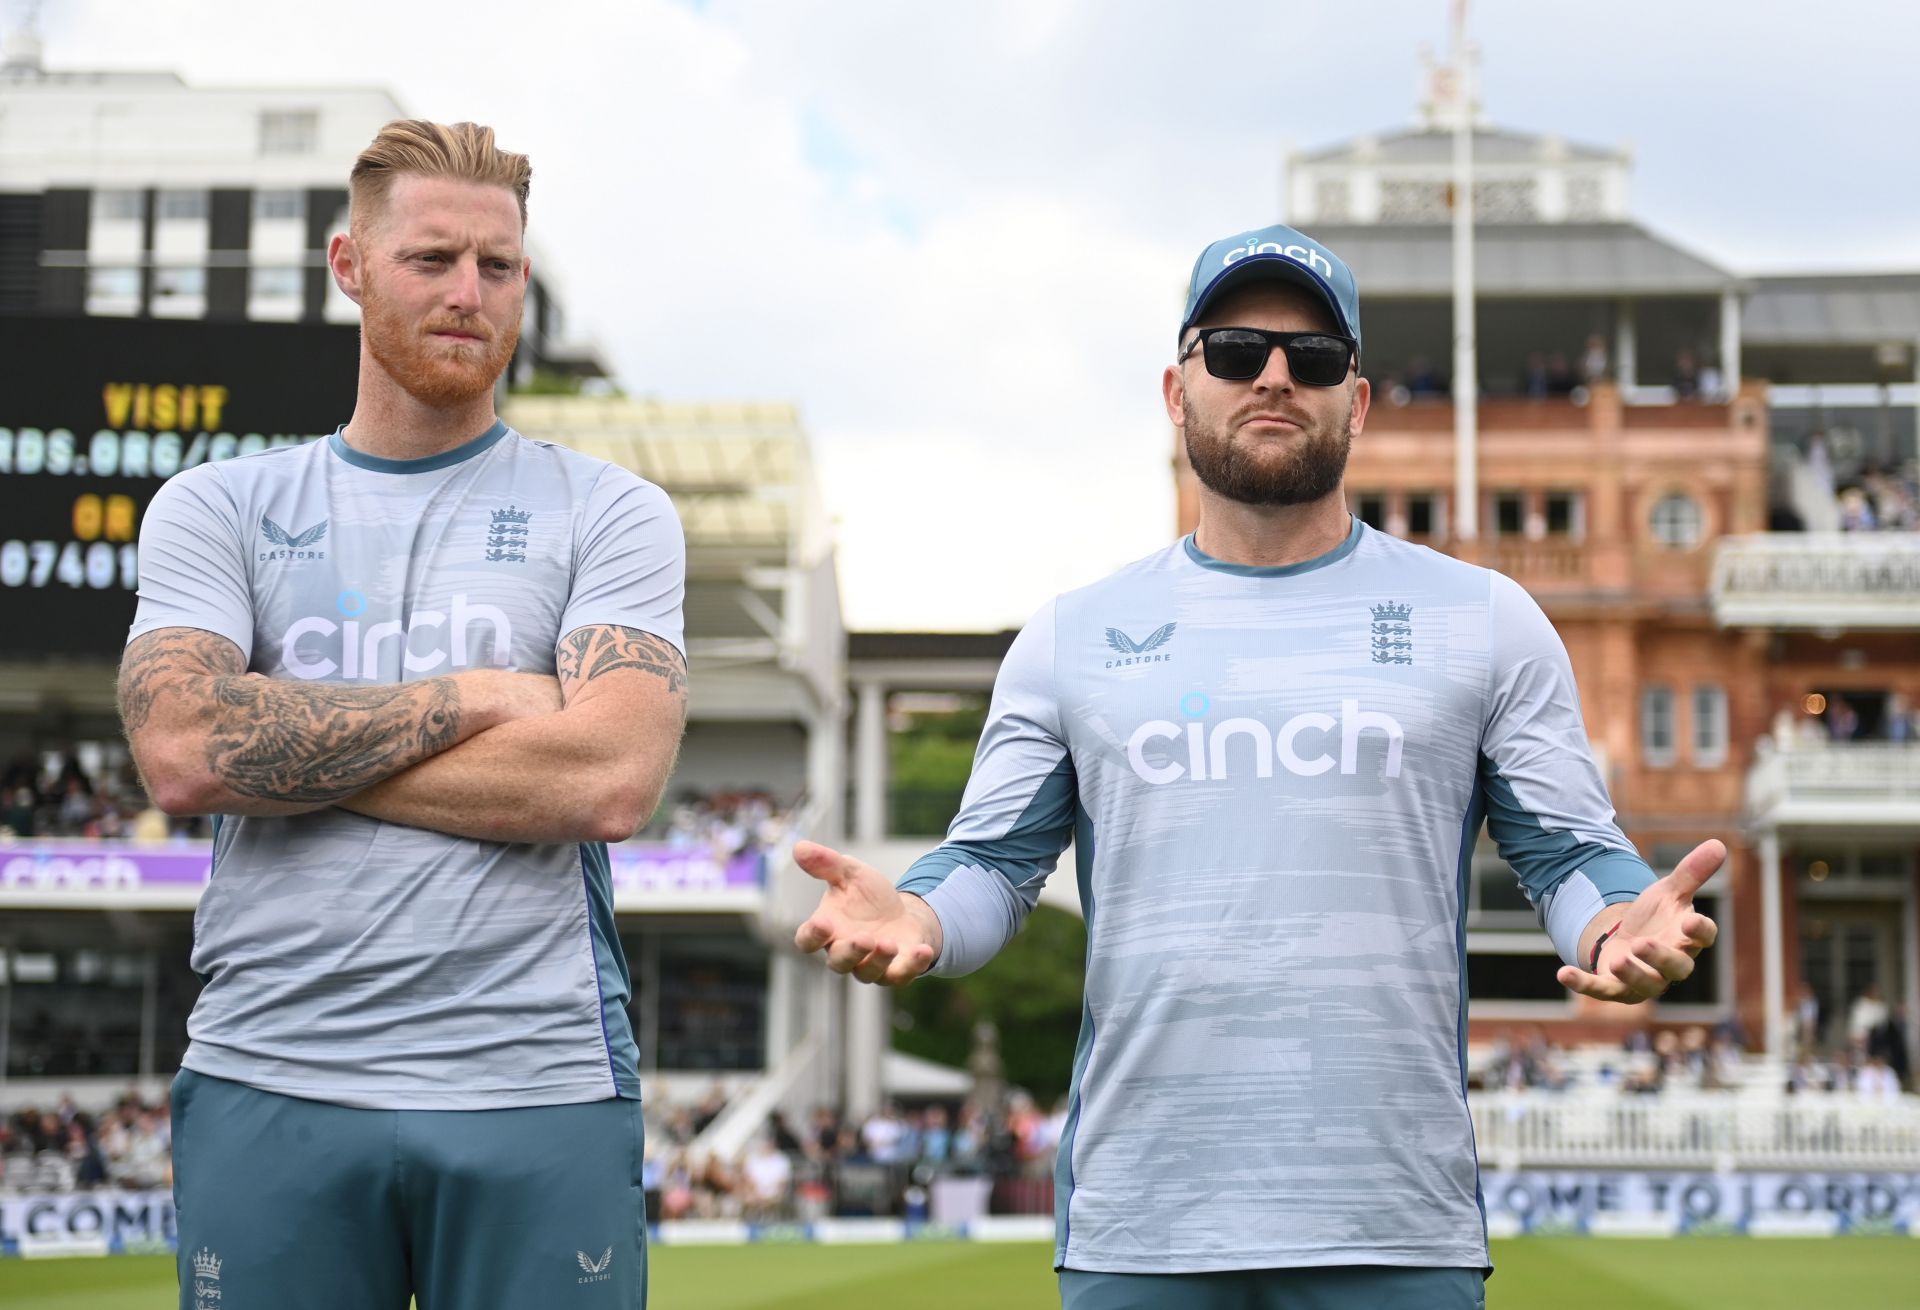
(1237,354)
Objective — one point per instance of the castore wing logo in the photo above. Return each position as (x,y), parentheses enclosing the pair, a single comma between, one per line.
(596,1270)
(290,542)
(1126,645)
(1138,652)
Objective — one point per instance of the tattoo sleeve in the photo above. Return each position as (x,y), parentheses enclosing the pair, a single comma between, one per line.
(589,653)
(272,739)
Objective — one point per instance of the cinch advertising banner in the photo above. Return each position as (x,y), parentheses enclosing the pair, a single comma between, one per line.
(88,867)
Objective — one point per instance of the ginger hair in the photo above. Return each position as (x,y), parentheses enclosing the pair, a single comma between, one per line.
(464,152)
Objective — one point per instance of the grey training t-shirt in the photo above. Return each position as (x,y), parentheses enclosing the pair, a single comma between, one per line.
(1273,780)
(366,963)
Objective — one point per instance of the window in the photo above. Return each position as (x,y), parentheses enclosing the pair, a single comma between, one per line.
(1656,726)
(119,205)
(1501,976)
(1405,201)
(712,1003)
(179,292)
(1583,197)
(1494,895)
(274,283)
(1509,513)
(1370,507)
(273,206)
(183,205)
(1709,727)
(174,282)
(289,131)
(275,293)
(1424,516)
(113,290)
(1332,202)
(1676,521)
(1565,516)
(1504,200)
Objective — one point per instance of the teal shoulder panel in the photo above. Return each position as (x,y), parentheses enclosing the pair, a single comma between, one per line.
(1027,849)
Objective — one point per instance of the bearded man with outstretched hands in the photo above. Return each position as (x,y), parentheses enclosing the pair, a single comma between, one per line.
(1272,747)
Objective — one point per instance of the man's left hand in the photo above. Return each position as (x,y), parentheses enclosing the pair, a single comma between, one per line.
(1659,937)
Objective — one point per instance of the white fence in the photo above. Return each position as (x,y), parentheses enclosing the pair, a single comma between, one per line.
(1719,1131)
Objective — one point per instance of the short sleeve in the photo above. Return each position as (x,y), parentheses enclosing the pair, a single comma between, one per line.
(193,566)
(630,560)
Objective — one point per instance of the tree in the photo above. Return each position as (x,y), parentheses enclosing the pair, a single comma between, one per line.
(1032,991)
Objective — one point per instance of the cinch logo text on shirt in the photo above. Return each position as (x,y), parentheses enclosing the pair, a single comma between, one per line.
(1303,745)
(353,650)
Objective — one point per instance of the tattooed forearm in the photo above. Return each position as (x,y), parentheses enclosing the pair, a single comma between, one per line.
(587,653)
(213,735)
(310,743)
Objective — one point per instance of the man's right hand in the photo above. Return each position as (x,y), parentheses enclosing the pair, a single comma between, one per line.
(867,927)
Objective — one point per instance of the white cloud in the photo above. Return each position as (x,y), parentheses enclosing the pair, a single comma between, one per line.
(957,235)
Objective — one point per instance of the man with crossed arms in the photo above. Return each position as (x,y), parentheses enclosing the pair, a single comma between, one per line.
(422,670)
(1272,745)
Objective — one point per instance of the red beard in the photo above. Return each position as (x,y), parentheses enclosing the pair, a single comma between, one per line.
(432,370)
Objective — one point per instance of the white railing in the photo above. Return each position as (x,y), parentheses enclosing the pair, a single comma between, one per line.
(1699,1130)
(1818,580)
(1849,781)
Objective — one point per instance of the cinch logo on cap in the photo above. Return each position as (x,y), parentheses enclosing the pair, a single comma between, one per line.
(1307,255)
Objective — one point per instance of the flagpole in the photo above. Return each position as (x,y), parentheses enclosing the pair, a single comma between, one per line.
(1466,387)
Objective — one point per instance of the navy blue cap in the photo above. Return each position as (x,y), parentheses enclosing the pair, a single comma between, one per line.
(1279,254)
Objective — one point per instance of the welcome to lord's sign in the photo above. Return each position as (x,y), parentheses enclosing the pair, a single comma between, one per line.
(1527,1201)
(1540,1199)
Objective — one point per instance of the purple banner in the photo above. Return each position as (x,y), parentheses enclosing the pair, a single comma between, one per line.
(102,866)
(115,867)
(657,869)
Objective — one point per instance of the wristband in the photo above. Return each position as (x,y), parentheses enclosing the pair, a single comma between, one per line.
(1593,965)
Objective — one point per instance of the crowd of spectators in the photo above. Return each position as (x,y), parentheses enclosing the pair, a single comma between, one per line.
(65,1149)
(1796,727)
(724,824)
(58,796)
(1694,1058)
(886,1164)
(1867,1056)
(1819,490)
(1695,376)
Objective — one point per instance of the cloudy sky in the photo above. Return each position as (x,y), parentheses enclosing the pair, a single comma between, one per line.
(957,234)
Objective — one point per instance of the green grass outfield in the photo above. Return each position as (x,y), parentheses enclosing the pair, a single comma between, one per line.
(1704,1273)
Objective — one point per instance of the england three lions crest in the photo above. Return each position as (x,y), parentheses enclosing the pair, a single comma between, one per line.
(1392,633)
(507,535)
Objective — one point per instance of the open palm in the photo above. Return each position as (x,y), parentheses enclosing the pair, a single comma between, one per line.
(1659,937)
(865,926)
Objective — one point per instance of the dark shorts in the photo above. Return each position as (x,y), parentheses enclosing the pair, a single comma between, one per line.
(1335,1287)
(302,1205)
